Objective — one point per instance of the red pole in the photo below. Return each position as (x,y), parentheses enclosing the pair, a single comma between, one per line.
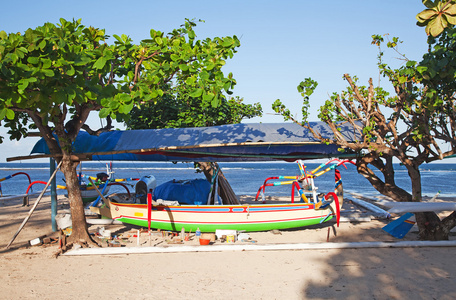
(149,209)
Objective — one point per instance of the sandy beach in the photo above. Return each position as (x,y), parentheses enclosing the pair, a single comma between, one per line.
(32,272)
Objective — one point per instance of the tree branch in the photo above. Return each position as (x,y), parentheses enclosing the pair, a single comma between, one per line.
(108,127)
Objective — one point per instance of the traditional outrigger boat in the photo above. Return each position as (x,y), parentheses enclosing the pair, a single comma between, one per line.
(312,209)
(226,143)
(102,181)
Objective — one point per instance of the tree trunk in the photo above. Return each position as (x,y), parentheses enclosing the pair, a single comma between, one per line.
(429,225)
(225,191)
(387,187)
(79,233)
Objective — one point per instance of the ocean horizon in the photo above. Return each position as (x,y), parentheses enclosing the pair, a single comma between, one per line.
(244,177)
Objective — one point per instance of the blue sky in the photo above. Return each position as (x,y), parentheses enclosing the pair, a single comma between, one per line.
(282,42)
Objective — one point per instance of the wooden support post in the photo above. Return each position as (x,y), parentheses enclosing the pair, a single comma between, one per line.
(25,201)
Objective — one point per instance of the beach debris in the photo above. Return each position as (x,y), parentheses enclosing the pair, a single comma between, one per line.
(275,231)
(105,233)
(230,239)
(204,241)
(43,240)
(35,242)
(67,231)
(243,237)
(220,232)
(435,197)
(174,241)
(187,236)
(209,236)
(114,244)
(63,221)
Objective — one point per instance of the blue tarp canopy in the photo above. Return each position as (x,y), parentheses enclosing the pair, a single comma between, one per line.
(237,142)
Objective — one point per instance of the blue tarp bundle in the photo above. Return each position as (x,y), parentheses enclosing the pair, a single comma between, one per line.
(237,142)
(192,192)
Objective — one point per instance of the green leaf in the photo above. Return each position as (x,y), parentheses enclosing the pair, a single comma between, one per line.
(81,60)
(183,67)
(196,93)
(100,63)
(46,63)
(215,102)
(411,63)
(14,57)
(118,38)
(104,112)
(42,44)
(33,60)
(210,66)
(70,71)
(3,113)
(227,42)
(91,95)
(208,97)
(23,84)
(421,69)
(204,75)
(48,72)
(9,114)
(126,108)
(153,94)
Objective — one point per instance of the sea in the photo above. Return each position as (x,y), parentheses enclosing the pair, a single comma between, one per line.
(244,177)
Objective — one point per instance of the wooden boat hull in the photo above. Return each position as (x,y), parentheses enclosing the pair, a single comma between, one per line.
(208,218)
(89,195)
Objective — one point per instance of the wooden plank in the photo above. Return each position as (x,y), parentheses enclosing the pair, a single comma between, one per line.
(256,247)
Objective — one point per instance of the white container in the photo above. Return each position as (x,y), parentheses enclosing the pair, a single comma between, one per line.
(63,221)
(36,241)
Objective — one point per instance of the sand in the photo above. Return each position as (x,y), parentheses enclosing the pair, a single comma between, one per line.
(32,272)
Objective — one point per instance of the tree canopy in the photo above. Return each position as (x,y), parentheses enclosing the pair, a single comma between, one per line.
(416,125)
(53,76)
(172,112)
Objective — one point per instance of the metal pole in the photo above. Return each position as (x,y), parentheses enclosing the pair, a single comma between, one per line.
(53,195)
